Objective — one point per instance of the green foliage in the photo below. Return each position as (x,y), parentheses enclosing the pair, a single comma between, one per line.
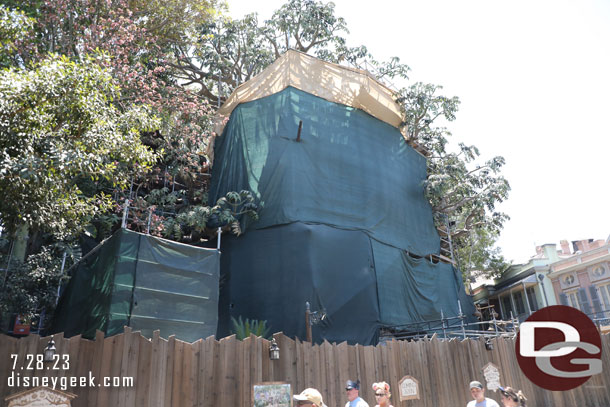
(199,220)
(478,256)
(233,51)
(305,25)
(243,329)
(173,22)
(15,26)
(58,127)
(31,286)
(463,193)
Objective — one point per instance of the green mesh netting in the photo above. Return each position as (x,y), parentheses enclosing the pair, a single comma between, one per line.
(143,282)
(349,173)
(350,170)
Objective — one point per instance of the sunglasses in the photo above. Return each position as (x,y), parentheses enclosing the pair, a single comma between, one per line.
(508,396)
(379,394)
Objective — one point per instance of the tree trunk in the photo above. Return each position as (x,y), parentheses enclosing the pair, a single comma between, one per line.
(20,243)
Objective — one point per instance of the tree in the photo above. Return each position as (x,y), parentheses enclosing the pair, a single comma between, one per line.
(59,129)
(229,52)
(142,38)
(30,287)
(15,26)
(463,193)
(104,121)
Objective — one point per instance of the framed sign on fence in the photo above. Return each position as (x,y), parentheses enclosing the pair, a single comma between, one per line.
(268,394)
(409,388)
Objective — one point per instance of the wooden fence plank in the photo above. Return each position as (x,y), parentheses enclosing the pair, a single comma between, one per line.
(308,367)
(142,380)
(342,371)
(177,374)
(226,372)
(201,369)
(300,367)
(127,358)
(9,368)
(95,367)
(169,370)
(189,367)
(214,378)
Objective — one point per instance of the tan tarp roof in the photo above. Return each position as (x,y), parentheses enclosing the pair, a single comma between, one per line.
(335,83)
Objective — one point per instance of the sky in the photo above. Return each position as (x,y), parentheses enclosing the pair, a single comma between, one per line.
(533,78)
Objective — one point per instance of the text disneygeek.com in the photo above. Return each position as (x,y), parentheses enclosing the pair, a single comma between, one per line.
(63,383)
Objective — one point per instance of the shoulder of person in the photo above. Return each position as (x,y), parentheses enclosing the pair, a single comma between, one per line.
(491,402)
(362,403)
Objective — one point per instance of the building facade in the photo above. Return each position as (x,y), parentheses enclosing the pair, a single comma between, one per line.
(583,280)
(576,276)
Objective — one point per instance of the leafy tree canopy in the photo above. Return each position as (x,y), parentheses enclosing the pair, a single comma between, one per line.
(58,129)
(91,115)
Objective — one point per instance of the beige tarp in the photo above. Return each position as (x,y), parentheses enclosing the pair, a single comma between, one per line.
(335,83)
(340,84)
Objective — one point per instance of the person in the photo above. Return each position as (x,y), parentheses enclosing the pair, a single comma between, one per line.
(309,397)
(512,397)
(478,394)
(353,394)
(382,394)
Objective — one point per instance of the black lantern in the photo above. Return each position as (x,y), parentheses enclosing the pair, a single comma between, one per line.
(49,351)
(274,350)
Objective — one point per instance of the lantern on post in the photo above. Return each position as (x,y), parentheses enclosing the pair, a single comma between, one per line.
(49,351)
(274,350)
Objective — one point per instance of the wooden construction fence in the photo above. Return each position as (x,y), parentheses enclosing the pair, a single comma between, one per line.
(222,373)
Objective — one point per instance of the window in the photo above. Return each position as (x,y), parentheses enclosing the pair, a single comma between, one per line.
(573,299)
(531,296)
(519,302)
(507,307)
(599,271)
(604,296)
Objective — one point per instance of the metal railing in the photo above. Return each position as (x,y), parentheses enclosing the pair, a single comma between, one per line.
(451,327)
(130,217)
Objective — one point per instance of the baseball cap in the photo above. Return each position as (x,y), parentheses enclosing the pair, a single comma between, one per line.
(476,384)
(352,385)
(310,395)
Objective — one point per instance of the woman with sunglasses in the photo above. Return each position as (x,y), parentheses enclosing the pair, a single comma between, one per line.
(512,398)
(382,394)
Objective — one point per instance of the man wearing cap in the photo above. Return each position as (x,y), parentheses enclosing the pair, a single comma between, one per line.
(353,389)
(477,392)
(309,397)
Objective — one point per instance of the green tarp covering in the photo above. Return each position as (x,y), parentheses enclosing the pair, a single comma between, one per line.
(143,282)
(340,210)
(350,170)
(271,273)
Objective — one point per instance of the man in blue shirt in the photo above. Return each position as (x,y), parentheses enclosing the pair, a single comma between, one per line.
(353,389)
